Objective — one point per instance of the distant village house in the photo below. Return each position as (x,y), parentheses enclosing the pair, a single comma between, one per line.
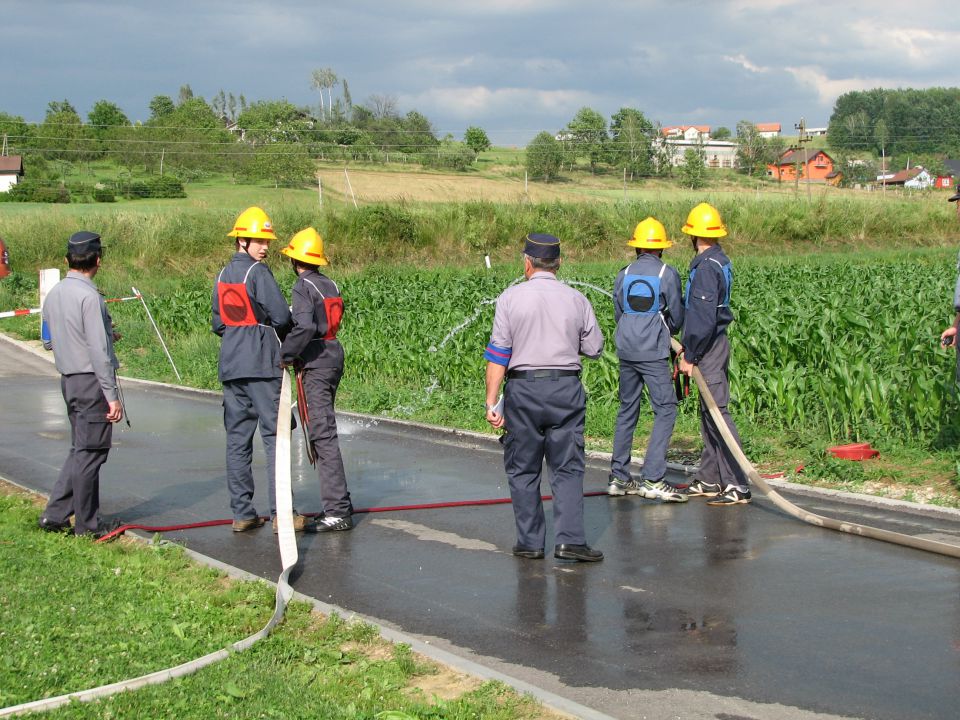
(768,130)
(915,178)
(817,167)
(11,170)
(686,132)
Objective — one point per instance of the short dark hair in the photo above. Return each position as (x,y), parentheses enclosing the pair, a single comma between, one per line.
(548,264)
(83,262)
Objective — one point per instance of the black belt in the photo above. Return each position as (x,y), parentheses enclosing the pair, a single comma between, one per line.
(550,374)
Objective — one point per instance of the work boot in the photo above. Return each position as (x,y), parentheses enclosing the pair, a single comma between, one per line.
(248,524)
(580,553)
(301,523)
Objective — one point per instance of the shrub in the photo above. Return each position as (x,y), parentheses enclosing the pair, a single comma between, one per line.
(103,195)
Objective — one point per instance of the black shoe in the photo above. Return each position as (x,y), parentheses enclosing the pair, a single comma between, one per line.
(581,553)
(528,553)
(104,529)
(334,524)
(55,527)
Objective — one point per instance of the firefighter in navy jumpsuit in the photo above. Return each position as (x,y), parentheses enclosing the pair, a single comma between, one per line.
(706,346)
(313,349)
(251,316)
(648,308)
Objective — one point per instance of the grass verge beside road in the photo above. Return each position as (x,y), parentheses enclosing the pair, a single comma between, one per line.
(75,615)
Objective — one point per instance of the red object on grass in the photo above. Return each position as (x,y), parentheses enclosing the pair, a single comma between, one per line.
(854,451)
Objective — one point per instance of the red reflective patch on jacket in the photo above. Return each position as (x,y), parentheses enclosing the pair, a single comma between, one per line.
(334,309)
(236,309)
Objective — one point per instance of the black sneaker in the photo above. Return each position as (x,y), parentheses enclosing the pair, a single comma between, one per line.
(334,524)
(698,488)
(54,527)
(104,529)
(731,495)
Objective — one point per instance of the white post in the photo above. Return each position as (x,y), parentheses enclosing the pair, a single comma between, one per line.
(320,190)
(350,187)
(486,259)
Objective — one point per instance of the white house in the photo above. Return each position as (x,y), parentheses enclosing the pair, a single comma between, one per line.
(716,153)
(768,130)
(686,132)
(11,170)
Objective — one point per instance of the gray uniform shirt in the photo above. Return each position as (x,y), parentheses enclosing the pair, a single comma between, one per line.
(546,324)
(642,337)
(956,292)
(81,331)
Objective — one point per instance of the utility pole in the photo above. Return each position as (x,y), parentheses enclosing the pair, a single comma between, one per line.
(804,138)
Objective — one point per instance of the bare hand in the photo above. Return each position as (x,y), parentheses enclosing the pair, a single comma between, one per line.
(685,367)
(495,419)
(948,338)
(115,413)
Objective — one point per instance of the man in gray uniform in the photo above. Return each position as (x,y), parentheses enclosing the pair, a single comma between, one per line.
(251,316)
(648,308)
(540,329)
(81,337)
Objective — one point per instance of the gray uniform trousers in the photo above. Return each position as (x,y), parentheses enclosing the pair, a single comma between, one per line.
(320,385)
(77,490)
(656,376)
(545,418)
(248,402)
(717,464)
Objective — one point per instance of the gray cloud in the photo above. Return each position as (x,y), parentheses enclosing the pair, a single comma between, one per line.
(513,67)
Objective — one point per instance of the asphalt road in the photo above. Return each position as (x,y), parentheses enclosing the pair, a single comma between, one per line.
(697,612)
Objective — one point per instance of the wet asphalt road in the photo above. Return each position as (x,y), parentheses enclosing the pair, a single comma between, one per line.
(696,611)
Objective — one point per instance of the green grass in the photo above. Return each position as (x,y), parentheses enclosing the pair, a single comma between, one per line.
(75,615)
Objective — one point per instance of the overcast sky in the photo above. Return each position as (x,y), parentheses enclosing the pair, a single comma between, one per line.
(513,67)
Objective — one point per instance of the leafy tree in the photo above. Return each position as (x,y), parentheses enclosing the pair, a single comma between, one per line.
(275,121)
(693,172)
(544,157)
(55,107)
(16,130)
(324,79)
(185,94)
(161,105)
(476,139)
(631,146)
(280,163)
(588,135)
(189,138)
(722,133)
(347,100)
(106,114)
(418,134)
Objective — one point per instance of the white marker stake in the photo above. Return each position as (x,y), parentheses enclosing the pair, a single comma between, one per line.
(157,330)
(486,259)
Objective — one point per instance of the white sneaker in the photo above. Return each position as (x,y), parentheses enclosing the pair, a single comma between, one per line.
(661,491)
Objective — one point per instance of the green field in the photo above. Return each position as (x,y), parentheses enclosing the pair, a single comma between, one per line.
(839,305)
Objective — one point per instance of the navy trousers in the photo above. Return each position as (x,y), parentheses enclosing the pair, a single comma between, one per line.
(320,386)
(717,464)
(247,404)
(77,490)
(544,419)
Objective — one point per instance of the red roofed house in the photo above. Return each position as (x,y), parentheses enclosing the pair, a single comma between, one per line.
(11,170)
(819,166)
(687,132)
(767,130)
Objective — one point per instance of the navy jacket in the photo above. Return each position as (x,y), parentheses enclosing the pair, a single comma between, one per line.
(305,341)
(252,351)
(707,311)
